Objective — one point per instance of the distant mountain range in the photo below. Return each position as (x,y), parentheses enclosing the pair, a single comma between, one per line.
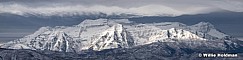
(103,34)
(124,39)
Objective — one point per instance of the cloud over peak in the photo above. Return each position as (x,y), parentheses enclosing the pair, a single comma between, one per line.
(109,7)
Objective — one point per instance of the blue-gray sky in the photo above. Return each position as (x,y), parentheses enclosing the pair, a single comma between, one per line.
(17,26)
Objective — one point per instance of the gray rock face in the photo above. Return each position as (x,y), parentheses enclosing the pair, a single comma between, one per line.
(122,39)
(103,34)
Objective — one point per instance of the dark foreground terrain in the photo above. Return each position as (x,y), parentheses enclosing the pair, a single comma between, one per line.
(154,51)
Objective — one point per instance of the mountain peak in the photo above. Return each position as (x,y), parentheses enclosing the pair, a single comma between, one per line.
(113,37)
(204,25)
(103,34)
(101,22)
(207,30)
(174,34)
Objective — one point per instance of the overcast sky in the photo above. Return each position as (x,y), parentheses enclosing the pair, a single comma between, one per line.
(137,7)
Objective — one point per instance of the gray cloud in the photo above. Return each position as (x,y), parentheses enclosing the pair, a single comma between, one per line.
(140,7)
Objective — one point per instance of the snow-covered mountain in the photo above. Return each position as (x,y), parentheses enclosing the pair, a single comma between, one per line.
(113,37)
(103,34)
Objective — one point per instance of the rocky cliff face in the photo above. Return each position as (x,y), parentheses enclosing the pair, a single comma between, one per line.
(104,34)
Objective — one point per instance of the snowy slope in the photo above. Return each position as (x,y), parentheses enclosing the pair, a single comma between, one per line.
(103,34)
(114,37)
(207,28)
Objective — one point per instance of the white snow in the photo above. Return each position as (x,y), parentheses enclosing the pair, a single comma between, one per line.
(107,34)
(214,32)
(208,28)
